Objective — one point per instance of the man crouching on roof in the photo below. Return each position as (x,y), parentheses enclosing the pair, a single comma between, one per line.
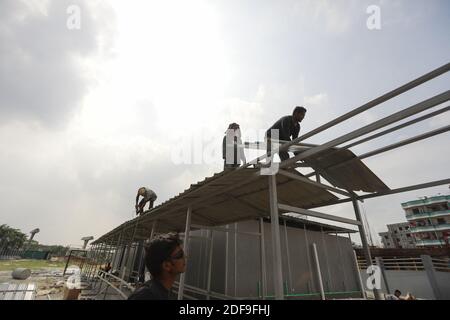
(148,195)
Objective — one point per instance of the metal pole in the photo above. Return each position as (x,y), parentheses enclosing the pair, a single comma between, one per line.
(380,263)
(419,107)
(329,280)
(263,259)
(365,245)
(341,262)
(276,243)
(200,260)
(210,256)
(312,287)
(235,259)
(142,266)
(226,260)
(186,251)
(379,134)
(318,272)
(287,256)
(410,85)
(358,271)
(389,192)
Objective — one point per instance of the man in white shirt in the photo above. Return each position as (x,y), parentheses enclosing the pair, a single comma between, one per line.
(147,195)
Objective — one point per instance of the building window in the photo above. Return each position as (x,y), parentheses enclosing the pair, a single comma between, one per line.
(441,221)
(408,235)
(416,211)
(400,228)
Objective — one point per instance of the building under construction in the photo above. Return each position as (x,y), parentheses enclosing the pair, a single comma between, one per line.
(236,233)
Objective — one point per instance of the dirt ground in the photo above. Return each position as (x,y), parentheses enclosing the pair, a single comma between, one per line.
(49,280)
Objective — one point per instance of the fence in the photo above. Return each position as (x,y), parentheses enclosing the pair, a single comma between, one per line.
(425,277)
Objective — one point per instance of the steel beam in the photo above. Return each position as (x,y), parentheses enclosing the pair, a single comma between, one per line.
(396,92)
(314,183)
(419,107)
(317,214)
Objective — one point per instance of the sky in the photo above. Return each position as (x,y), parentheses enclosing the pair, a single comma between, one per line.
(102,99)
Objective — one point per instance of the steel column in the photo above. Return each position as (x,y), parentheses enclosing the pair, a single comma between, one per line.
(276,243)
(186,251)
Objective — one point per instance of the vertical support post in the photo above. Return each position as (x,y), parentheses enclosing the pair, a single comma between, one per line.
(380,263)
(276,243)
(210,256)
(312,286)
(329,281)
(288,259)
(226,258)
(90,273)
(358,271)
(341,263)
(142,266)
(185,249)
(235,259)
(365,245)
(318,272)
(263,259)
(431,274)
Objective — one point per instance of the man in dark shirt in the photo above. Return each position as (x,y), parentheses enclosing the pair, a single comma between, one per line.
(165,260)
(288,126)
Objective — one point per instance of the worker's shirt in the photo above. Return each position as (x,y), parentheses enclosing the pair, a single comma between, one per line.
(151,290)
(149,195)
(287,128)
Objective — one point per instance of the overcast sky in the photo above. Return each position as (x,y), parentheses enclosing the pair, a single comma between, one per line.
(89,115)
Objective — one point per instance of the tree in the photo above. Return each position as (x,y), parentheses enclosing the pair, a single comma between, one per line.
(11,238)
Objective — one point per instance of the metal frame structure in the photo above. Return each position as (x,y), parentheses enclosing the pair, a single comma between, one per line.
(277,208)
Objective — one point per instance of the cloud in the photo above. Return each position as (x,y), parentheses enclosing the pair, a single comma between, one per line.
(41,61)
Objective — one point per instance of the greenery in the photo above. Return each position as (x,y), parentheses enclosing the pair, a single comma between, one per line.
(11,238)
(9,265)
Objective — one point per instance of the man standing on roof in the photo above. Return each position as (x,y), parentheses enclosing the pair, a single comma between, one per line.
(148,196)
(287,126)
(232,148)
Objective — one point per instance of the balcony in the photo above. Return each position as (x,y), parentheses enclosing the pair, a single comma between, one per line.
(436,214)
(438,227)
(423,202)
(426,243)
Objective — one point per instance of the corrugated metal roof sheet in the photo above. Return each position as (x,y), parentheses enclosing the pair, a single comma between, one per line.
(233,196)
(224,198)
(352,174)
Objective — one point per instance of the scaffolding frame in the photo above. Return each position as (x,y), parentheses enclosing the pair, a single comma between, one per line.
(350,196)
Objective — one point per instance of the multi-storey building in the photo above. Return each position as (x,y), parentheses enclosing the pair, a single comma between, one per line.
(429,219)
(398,236)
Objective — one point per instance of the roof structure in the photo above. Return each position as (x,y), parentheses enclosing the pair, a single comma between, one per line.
(239,195)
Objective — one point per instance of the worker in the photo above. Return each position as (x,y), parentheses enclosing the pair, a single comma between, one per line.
(288,127)
(232,147)
(165,260)
(148,196)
